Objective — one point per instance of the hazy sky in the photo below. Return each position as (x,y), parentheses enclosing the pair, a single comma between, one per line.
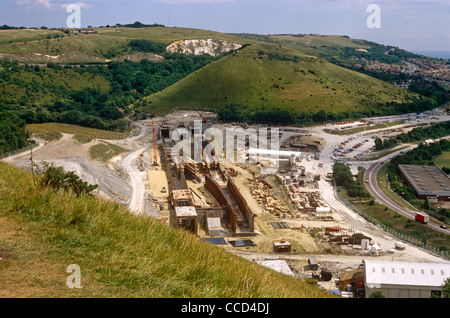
(420,25)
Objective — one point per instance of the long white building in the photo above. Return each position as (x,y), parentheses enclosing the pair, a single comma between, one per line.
(397,279)
(275,153)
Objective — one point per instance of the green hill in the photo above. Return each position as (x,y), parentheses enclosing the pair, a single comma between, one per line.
(105,44)
(42,231)
(269,77)
(311,78)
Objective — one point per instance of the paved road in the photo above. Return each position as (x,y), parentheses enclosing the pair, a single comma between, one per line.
(374,166)
(381,197)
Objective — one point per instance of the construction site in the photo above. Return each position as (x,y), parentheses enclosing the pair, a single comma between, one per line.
(244,204)
(274,206)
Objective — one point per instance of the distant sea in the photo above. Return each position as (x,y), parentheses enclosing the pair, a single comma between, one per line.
(436,54)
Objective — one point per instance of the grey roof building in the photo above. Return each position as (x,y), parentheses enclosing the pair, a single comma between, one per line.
(427,181)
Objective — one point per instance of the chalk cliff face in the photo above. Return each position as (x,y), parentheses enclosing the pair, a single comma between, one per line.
(199,47)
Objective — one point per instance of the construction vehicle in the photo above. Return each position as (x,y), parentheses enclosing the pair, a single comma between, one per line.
(400,246)
(155,148)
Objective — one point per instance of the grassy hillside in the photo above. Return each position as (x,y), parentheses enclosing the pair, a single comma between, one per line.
(292,73)
(24,86)
(105,44)
(342,50)
(269,76)
(120,255)
(52,131)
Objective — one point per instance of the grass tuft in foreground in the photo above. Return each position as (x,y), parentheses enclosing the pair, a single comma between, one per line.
(121,255)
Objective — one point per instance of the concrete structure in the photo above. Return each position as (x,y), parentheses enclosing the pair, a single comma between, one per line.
(396,279)
(275,153)
(164,131)
(282,247)
(182,197)
(429,182)
(277,265)
(186,218)
(215,227)
(391,119)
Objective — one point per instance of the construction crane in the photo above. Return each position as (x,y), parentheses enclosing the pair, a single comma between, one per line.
(204,120)
(155,149)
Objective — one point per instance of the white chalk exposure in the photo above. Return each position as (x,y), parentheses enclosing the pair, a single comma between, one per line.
(206,46)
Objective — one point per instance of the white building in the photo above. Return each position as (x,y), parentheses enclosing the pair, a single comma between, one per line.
(276,153)
(404,279)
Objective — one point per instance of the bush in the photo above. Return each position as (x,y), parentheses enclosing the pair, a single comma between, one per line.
(377,294)
(343,177)
(13,135)
(147,46)
(57,178)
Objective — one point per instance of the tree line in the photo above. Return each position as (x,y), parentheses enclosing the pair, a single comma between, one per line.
(239,113)
(12,133)
(92,107)
(344,178)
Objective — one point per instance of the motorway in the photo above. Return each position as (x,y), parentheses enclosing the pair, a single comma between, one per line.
(372,167)
(381,197)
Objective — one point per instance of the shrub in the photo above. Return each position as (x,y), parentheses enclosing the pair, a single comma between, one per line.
(56,177)
(377,294)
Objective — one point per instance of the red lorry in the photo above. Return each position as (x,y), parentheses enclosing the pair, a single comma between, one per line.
(422,218)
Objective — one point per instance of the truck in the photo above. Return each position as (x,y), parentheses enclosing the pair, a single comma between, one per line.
(422,218)
(400,246)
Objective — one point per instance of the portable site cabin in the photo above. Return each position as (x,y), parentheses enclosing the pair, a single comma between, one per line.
(313,264)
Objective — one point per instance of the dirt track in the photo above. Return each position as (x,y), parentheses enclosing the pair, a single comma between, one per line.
(74,156)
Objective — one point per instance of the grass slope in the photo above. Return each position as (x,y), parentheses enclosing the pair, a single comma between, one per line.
(119,254)
(106,44)
(23,86)
(272,73)
(47,132)
(266,77)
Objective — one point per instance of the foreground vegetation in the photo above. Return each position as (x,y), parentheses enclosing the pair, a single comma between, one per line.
(119,254)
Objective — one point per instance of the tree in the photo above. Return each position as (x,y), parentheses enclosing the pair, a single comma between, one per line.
(378,144)
(446,289)
(377,294)
(343,177)
(13,134)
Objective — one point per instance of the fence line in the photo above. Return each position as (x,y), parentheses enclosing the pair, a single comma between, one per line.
(412,240)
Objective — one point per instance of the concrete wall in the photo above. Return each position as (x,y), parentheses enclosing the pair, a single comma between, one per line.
(215,189)
(242,204)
